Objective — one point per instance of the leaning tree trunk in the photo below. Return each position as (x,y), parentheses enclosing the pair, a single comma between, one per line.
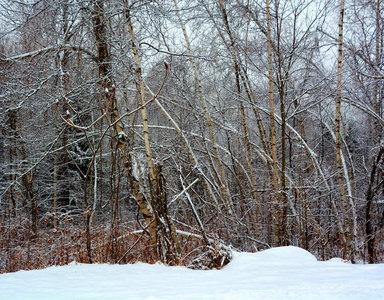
(104,61)
(156,182)
(231,47)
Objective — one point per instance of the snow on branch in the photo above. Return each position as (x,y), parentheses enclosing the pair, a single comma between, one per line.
(46,50)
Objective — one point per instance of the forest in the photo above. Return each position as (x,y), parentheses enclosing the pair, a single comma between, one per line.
(176,131)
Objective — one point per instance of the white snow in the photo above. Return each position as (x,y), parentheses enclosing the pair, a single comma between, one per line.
(122,135)
(278,273)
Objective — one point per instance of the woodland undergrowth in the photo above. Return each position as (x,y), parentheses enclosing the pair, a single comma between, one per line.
(120,243)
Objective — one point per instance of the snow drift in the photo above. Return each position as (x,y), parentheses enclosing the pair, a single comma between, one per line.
(278,273)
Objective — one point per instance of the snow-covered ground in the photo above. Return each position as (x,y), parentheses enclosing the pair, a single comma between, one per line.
(278,273)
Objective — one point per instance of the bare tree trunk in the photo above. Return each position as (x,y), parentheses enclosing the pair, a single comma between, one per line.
(62,168)
(370,230)
(277,205)
(104,72)
(55,188)
(378,50)
(155,222)
(346,235)
(12,123)
(33,201)
(282,78)
(232,49)
(140,84)
(159,205)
